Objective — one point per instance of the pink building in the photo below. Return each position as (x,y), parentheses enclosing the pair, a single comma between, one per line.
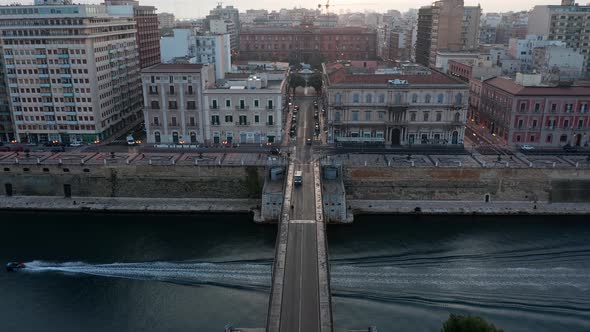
(542,116)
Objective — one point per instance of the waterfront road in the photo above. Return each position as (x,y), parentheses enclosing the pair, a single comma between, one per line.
(300,309)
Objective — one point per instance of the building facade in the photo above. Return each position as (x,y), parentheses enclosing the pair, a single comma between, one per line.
(228,16)
(440,27)
(148,33)
(173,99)
(303,43)
(470,27)
(72,71)
(407,109)
(569,23)
(6,125)
(214,49)
(542,116)
(166,20)
(246,108)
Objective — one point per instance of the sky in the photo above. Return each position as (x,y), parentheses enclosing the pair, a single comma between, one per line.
(200,8)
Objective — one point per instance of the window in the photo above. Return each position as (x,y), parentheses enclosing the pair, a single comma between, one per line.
(242,104)
(553,108)
(566,124)
(398,98)
(214,104)
(270,106)
(426,114)
(438,116)
(583,108)
(532,139)
(338,98)
(580,123)
(381,98)
(413,116)
(191,105)
(381,115)
(355,116)
(522,107)
(174,123)
(215,120)
(156,121)
(256,103)
(414,98)
(356,98)
(457,117)
(171,89)
(243,120)
(172,105)
(568,108)
(192,121)
(229,118)
(537,107)
(563,139)
(270,120)
(337,117)
(369,98)
(458,99)
(440,99)
(518,138)
(534,124)
(157,137)
(155,105)
(367,116)
(256,118)
(520,123)
(549,138)
(427,99)
(228,103)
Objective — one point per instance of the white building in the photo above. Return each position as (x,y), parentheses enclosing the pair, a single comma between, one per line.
(72,71)
(173,99)
(198,48)
(395,109)
(558,63)
(443,57)
(214,49)
(246,108)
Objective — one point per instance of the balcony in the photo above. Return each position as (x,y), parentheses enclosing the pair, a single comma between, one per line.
(242,108)
(152,92)
(174,125)
(43,75)
(11,66)
(270,123)
(13,85)
(45,85)
(72,122)
(48,104)
(46,94)
(242,123)
(170,93)
(40,56)
(63,56)
(65,65)
(190,93)
(66,75)
(68,94)
(215,124)
(214,107)
(155,125)
(270,107)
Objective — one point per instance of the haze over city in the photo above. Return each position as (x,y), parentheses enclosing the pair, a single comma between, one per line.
(200,8)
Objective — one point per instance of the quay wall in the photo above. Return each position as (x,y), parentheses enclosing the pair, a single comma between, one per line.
(136,181)
(552,185)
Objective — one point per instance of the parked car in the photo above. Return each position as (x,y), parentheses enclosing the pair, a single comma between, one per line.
(527,147)
(308,141)
(76,143)
(275,151)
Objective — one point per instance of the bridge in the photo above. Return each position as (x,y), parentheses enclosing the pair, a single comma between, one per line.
(300,297)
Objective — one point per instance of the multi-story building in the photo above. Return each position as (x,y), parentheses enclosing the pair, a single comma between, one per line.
(569,23)
(300,44)
(395,43)
(228,16)
(246,107)
(523,111)
(166,20)
(439,28)
(148,33)
(413,106)
(72,71)
(470,27)
(6,126)
(173,99)
(214,49)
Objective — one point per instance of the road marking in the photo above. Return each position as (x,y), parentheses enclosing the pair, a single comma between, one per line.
(300,280)
(302,221)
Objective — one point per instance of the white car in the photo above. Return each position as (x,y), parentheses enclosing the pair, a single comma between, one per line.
(76,144)
(527,147)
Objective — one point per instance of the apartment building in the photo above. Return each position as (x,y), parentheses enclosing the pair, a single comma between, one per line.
(568,22)
(173,99)
(148,33)
(166,20)
(72,71)
(470,27)
(246,107)
(6,126)
(524,111)
(401,106)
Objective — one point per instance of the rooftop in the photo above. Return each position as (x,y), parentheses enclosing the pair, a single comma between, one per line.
(174,67)
(514,88)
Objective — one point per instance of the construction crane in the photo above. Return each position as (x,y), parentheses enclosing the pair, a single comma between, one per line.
(327,5)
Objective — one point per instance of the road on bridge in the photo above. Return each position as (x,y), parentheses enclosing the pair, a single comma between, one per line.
(300,309)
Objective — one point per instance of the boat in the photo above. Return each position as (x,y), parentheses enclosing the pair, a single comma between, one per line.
(14,266)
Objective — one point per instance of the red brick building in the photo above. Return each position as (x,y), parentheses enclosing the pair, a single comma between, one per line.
(303,43)
(542,116)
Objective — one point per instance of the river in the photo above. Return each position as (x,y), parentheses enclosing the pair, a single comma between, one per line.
(128,272)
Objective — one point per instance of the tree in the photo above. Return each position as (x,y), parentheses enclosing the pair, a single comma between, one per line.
(315,60)
(316,82)
(461,323)
(295,81)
